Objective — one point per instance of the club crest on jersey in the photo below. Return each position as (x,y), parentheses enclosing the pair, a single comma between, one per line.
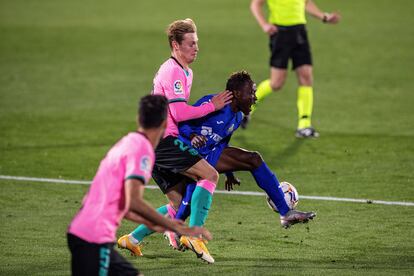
(206,130)
(178,87)
(145,164)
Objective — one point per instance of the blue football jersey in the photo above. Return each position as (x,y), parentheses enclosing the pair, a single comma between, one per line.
(217,127)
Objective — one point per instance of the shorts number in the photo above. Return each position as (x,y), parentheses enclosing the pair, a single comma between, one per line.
(183,147)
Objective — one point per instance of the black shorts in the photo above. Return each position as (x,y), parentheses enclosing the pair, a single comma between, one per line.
(89,259)
(290,43)
(172,157)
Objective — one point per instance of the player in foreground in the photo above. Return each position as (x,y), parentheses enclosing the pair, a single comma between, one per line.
(211,135)
(175,161)
(117,192)
(289,40)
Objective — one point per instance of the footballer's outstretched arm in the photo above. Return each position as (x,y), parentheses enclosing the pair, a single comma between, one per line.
(181,111)
(132,216)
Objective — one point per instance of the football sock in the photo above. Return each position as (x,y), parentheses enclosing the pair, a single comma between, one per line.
(305,104)
(185,206)
(267,180)
(201,202)
(263,90)
(142,230)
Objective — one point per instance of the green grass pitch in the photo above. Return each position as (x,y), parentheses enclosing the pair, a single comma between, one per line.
(71,73)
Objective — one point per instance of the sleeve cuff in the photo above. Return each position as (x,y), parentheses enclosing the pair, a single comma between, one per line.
(137,177)
(177,100)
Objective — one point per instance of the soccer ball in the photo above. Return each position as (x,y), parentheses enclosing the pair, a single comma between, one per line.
(291,196)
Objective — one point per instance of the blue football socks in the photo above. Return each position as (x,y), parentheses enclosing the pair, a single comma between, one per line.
(185,206)
(266,180)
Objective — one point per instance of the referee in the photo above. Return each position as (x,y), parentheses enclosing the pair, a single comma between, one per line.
(289,40)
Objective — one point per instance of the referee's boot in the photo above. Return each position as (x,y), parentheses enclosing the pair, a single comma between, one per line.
(307,132)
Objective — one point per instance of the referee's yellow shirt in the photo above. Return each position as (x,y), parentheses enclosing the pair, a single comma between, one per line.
(287,12)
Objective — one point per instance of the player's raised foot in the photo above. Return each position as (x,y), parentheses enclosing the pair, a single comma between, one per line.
(293,216)
(245,121)
(307,132)
(174,241)
(125,242)
(198,246)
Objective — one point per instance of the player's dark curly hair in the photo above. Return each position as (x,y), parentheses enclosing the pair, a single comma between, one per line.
(237,80)
(152,111)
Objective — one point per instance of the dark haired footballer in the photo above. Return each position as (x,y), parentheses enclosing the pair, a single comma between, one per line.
(116,192)
(211,135)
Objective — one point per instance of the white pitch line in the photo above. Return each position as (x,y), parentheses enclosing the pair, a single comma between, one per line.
(328,198)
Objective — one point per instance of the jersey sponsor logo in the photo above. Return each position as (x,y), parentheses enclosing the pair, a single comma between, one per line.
(178,87)
(145,164)
(217,138)
(208,132)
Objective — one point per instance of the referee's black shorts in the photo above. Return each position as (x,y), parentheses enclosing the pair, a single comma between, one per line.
(290,42)
(90,259)
(172,157)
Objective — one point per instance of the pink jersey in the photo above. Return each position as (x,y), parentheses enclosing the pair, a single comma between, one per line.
(174,82)
(104,205)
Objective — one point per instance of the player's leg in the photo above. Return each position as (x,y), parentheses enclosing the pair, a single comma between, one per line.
(184,210)
(305,96)
(172,185)
(203,193)
(133,241)
(88,258)
(201,201)
(302,64)
(185,206)
(236,159)
(119,266)
(275,83)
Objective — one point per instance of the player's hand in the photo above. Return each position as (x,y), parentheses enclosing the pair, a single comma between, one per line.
(222,99)
(139,219)
(195,231)
(197,141)
(333,18)
(230,182)
(156,228)
(270,29)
